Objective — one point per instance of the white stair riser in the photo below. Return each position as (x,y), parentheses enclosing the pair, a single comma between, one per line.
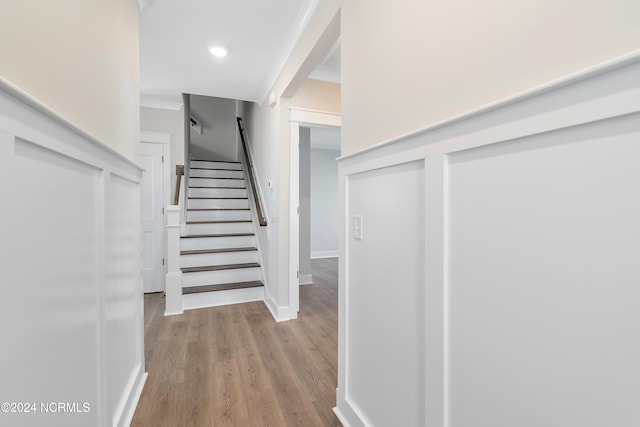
(217,243)
(221,228)
(217,298)
(217,192)
(221,276)
(239,215)
(195,173)
(224,258)
(216,182)
(215,165)
(217,203)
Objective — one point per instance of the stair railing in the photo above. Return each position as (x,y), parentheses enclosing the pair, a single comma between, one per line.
(179,174)
(261,218)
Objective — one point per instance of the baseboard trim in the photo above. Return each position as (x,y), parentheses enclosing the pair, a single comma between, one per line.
(132,398)
(325,254)
(306,279)
(346,414)
(279,313)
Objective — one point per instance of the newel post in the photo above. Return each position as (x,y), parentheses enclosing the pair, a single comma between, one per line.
(173,282)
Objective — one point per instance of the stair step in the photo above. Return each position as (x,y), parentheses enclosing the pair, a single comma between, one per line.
(209,297)
(214,169)
(219,267)
(217,192)
(218,209)
(218,215)
(217,251)
(213,177)
(217,203)
(218,222)
(216,174)
(216,198)
(199,236)
(218,227)
(222,287)
(200,275)
(218,187)
(211,164)
(218,241)
(215,161)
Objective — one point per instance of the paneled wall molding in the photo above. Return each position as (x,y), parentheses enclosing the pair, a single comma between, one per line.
(73,255)
(519,200)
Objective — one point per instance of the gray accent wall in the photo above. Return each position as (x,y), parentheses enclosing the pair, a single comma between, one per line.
(217,116)
(305,203)
(324,202)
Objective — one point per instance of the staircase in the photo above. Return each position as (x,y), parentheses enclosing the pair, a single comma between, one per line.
(218,254)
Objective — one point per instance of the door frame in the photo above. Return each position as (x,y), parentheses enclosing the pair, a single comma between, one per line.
(308,118)
(164,138)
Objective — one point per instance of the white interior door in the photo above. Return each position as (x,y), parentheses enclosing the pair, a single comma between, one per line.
(152,217)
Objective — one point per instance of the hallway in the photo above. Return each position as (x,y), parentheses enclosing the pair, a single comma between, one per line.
(235,366)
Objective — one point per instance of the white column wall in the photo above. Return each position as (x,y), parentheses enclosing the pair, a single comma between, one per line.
(496,282)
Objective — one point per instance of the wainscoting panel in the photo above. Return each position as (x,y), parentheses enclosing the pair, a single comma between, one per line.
(389,202)
(71,306)
(496,281)
(543,292)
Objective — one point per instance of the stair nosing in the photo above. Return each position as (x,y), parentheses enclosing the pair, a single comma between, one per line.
(221,287)
(219,209)
(202,236)
(214,177)
(223,188)
(217,169)
(220,222)
(223,267)
(218,251)
(215,161)
(219,198)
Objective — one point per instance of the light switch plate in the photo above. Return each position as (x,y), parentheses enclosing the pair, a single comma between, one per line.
(357,227)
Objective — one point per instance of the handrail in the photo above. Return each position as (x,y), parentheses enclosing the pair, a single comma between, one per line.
(261,218)
(179,173)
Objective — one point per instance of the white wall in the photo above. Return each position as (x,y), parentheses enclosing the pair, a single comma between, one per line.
(217,116)
(496,280)
(81,60)
(72,307)
(407,64)
(324,203)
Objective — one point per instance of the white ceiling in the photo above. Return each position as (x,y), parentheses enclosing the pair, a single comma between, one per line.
(175,36)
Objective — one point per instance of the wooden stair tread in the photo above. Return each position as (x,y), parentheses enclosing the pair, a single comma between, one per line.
(231,221)
(218,209)
(219,267)
(218,251)
(216,169)
(215,161)
(223,188)
(220,198)
(221,287)
(198,236)
(215,177)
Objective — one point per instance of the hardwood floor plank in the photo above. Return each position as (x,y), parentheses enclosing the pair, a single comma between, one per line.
(235,366)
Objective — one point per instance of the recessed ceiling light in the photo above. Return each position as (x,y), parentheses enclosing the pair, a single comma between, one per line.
(218,51)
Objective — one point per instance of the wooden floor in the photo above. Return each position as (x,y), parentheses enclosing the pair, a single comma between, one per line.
(235,366)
